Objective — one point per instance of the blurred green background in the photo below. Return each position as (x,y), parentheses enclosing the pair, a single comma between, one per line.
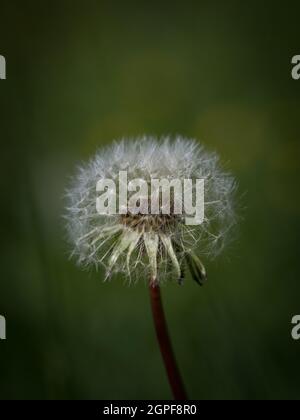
(80,74)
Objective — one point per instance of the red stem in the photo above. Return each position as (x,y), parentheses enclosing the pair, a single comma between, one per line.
(165,345)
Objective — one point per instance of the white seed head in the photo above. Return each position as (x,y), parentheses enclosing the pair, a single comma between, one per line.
(150,246)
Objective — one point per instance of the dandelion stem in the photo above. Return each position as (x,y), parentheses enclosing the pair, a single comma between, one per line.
(165,345)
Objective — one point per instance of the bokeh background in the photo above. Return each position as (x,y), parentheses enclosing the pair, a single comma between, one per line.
(80,74)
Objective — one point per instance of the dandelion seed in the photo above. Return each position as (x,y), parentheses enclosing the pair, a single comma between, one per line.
(155,245)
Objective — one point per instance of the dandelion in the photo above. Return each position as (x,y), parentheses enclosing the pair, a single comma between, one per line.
(156,246)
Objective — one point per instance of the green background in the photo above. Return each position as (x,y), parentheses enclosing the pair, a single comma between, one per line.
(80,74)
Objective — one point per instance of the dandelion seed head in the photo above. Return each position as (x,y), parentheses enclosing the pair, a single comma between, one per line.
(154,246)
